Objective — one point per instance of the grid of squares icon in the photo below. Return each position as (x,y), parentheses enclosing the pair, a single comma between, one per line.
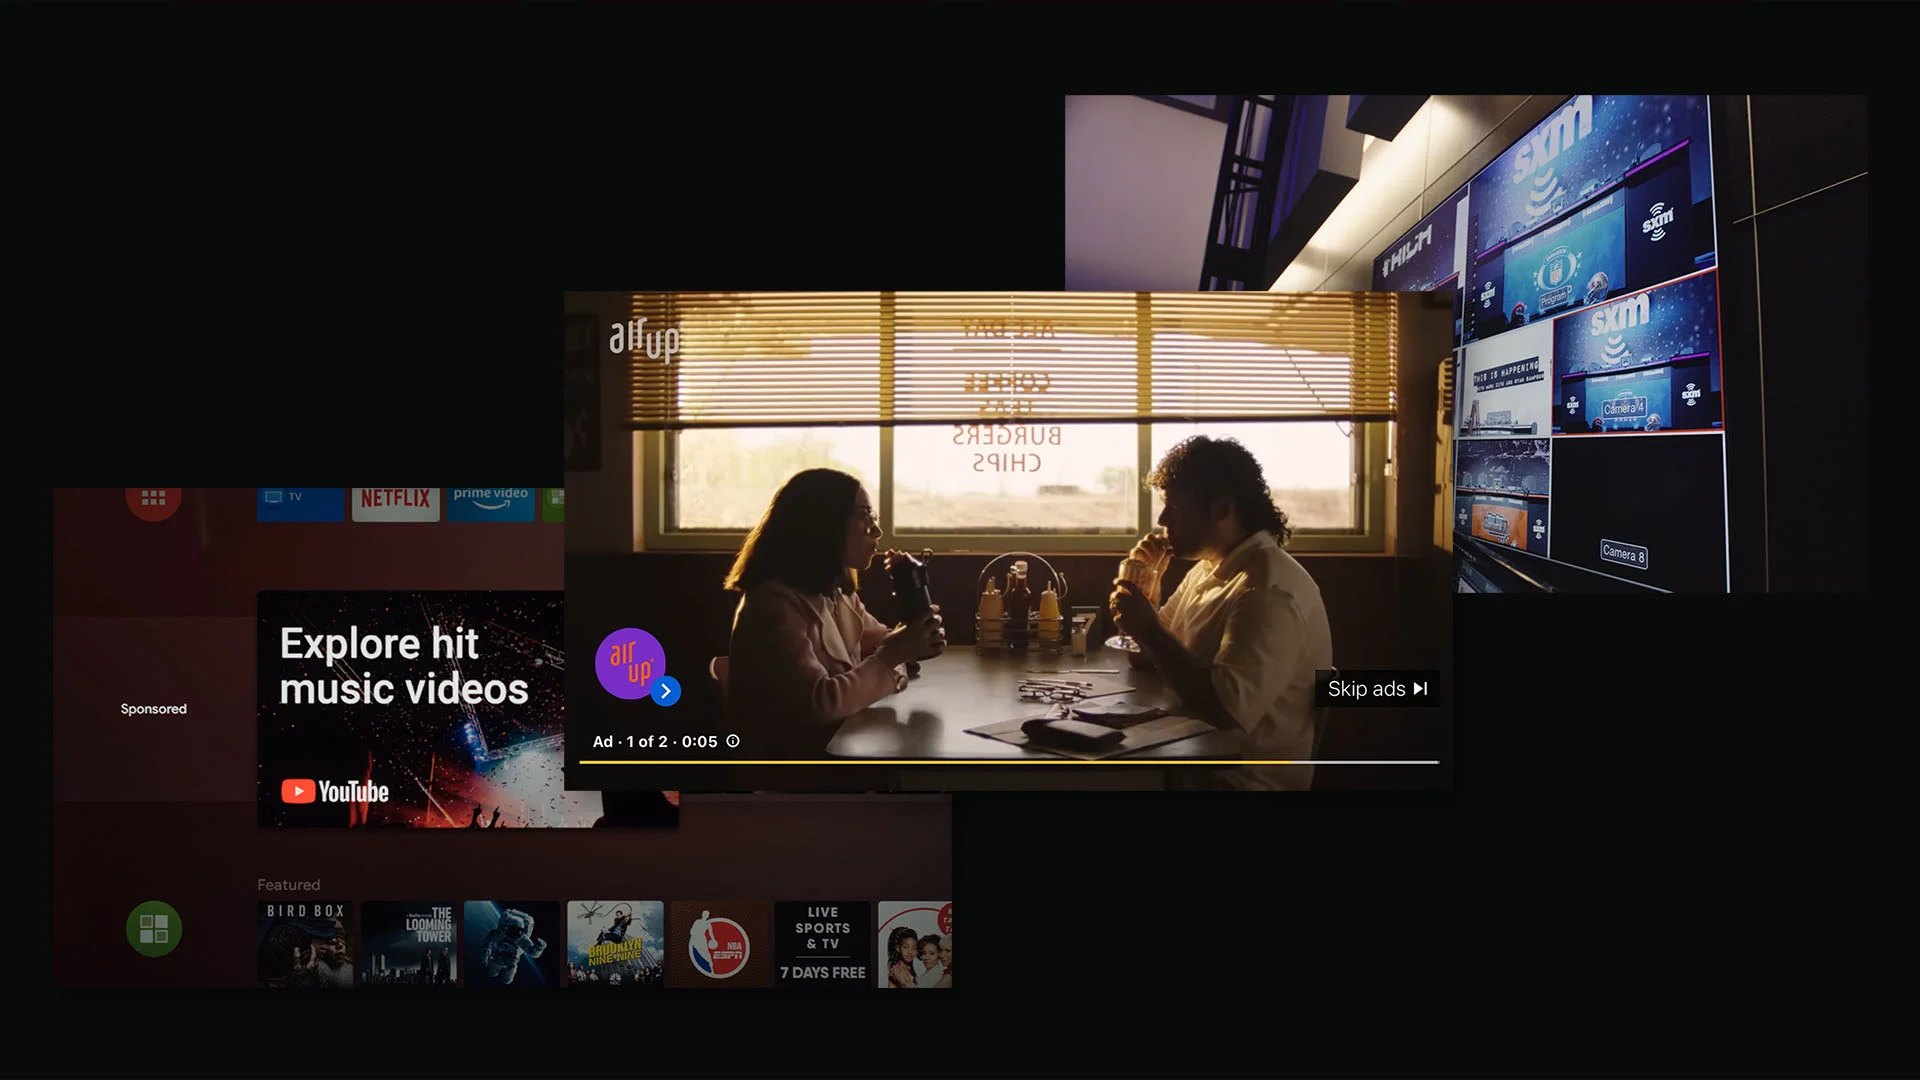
(604,945)
(155,929)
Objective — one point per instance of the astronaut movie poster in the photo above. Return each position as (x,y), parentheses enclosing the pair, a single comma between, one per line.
(513,944)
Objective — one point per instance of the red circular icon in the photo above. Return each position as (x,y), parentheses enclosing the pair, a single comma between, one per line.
(153,504)
(946,919)
(718,946)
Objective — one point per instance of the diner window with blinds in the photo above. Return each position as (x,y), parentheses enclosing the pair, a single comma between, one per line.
(974,416)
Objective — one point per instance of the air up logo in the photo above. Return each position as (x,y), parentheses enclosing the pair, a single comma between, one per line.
(1655,227)
(1614,320)
(1534,157)
(634,337)
(628,662)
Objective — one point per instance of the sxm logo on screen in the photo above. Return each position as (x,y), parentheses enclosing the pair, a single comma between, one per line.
(490,504)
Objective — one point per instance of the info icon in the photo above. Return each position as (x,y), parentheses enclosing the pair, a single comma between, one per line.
(153,504)
(628,662)
(153,929)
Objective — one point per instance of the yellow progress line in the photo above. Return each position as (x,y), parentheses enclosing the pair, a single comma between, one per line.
(1010,761)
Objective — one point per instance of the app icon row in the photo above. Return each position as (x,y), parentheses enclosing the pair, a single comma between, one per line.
(324,505)
(604,944)
(317,505)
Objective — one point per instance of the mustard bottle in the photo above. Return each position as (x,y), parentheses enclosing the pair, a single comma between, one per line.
(989,633)
(1049,615)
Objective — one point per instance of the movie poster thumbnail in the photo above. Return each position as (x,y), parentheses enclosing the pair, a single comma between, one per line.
(1506,466)
(1508,388)
(514,944)
(916,944)
(823,944)
(1647,362)
(719,944)
(306,945)
(1503,519)
(411,944)
(616,944)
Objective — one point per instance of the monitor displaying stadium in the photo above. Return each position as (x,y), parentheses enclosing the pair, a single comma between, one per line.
(1587,363)
(1645,362)
(1579,260)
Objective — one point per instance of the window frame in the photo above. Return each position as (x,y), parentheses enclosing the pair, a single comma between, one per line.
(1372,483)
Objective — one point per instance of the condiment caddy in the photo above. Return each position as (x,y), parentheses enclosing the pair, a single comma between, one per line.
(1018,619)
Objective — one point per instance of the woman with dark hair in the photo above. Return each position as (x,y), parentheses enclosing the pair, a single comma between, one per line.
(805,652)
(903,948)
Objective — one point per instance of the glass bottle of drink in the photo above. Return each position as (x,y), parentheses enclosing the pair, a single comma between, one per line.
(1018,609)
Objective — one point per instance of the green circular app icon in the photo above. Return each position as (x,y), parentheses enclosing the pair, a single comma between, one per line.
(153,929)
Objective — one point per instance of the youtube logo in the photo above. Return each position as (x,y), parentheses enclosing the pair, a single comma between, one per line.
(300,792)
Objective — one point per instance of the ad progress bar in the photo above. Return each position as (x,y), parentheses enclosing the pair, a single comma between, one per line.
(1163,762)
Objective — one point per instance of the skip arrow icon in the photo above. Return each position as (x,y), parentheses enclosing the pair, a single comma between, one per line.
(1419,688)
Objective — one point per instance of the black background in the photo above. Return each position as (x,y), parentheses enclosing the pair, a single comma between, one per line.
(234,286)
(1659,492)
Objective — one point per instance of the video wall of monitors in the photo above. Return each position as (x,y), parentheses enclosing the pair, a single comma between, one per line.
(1587,417)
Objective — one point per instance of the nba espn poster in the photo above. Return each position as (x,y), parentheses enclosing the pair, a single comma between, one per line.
(719,944)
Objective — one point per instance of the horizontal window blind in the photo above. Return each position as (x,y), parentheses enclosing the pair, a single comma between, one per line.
(802,359)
